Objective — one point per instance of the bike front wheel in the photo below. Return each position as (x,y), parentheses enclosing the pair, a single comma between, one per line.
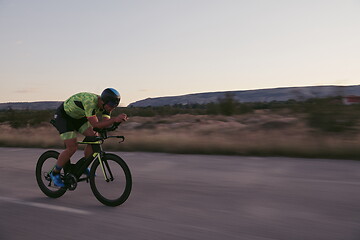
(111,180)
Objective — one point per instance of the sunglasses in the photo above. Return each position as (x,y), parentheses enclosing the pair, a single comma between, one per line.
(113,104)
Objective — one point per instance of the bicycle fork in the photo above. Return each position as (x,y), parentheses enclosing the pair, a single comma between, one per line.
(104,164)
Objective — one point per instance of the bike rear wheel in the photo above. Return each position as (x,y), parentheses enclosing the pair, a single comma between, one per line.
(44,166)
(117,189)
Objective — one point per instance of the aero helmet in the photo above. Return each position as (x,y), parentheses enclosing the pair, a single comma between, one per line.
(111,97)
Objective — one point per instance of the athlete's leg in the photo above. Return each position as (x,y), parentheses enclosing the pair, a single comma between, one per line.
(88,133)
(64,157)
(71,147)
(65,125)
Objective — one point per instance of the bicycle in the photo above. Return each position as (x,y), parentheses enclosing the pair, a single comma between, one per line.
(110,177)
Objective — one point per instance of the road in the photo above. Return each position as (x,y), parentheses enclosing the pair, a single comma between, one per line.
(190,197)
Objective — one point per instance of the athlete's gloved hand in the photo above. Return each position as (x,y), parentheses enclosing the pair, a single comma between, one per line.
(121,118)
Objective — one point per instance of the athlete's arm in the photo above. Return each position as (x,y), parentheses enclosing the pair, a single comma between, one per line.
(107,122)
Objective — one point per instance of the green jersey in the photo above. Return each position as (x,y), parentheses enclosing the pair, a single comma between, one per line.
(83,105)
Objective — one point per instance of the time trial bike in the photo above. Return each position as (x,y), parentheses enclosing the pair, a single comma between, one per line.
(110,177)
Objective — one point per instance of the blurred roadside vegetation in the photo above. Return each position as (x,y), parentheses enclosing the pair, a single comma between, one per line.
(316,128)
(25,118)
(326,114)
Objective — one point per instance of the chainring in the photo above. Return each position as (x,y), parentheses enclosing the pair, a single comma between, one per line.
(70,181)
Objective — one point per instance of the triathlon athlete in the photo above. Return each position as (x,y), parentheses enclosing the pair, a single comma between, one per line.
(79,114)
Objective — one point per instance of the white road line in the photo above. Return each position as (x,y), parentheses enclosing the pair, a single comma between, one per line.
(45,206)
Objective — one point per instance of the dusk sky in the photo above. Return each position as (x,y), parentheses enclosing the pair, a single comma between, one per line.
(51,49)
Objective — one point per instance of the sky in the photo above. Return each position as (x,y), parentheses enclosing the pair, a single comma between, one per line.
(52,49)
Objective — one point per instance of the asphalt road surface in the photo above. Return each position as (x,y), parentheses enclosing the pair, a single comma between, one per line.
(190,197)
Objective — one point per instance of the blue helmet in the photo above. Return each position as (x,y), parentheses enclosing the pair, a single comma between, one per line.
(111,97)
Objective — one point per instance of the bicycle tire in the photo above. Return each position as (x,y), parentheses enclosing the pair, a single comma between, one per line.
(50,158)
(97,180)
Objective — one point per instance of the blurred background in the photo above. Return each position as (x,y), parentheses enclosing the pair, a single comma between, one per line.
(243,76)
(243,116)
(51,50)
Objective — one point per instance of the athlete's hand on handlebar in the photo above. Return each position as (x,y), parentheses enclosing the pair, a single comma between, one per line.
(121,118)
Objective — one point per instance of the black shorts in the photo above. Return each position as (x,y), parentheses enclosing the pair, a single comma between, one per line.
(67,125)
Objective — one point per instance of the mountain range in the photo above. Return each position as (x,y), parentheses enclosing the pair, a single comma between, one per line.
(46,105)
(261,95)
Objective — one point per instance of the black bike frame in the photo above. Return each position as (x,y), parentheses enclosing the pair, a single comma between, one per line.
(96,143)
(98,154)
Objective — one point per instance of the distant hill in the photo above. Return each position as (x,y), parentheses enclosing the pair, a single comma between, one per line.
(262,95)
(48,105)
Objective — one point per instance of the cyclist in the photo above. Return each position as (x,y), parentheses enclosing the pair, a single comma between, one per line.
(79,114)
